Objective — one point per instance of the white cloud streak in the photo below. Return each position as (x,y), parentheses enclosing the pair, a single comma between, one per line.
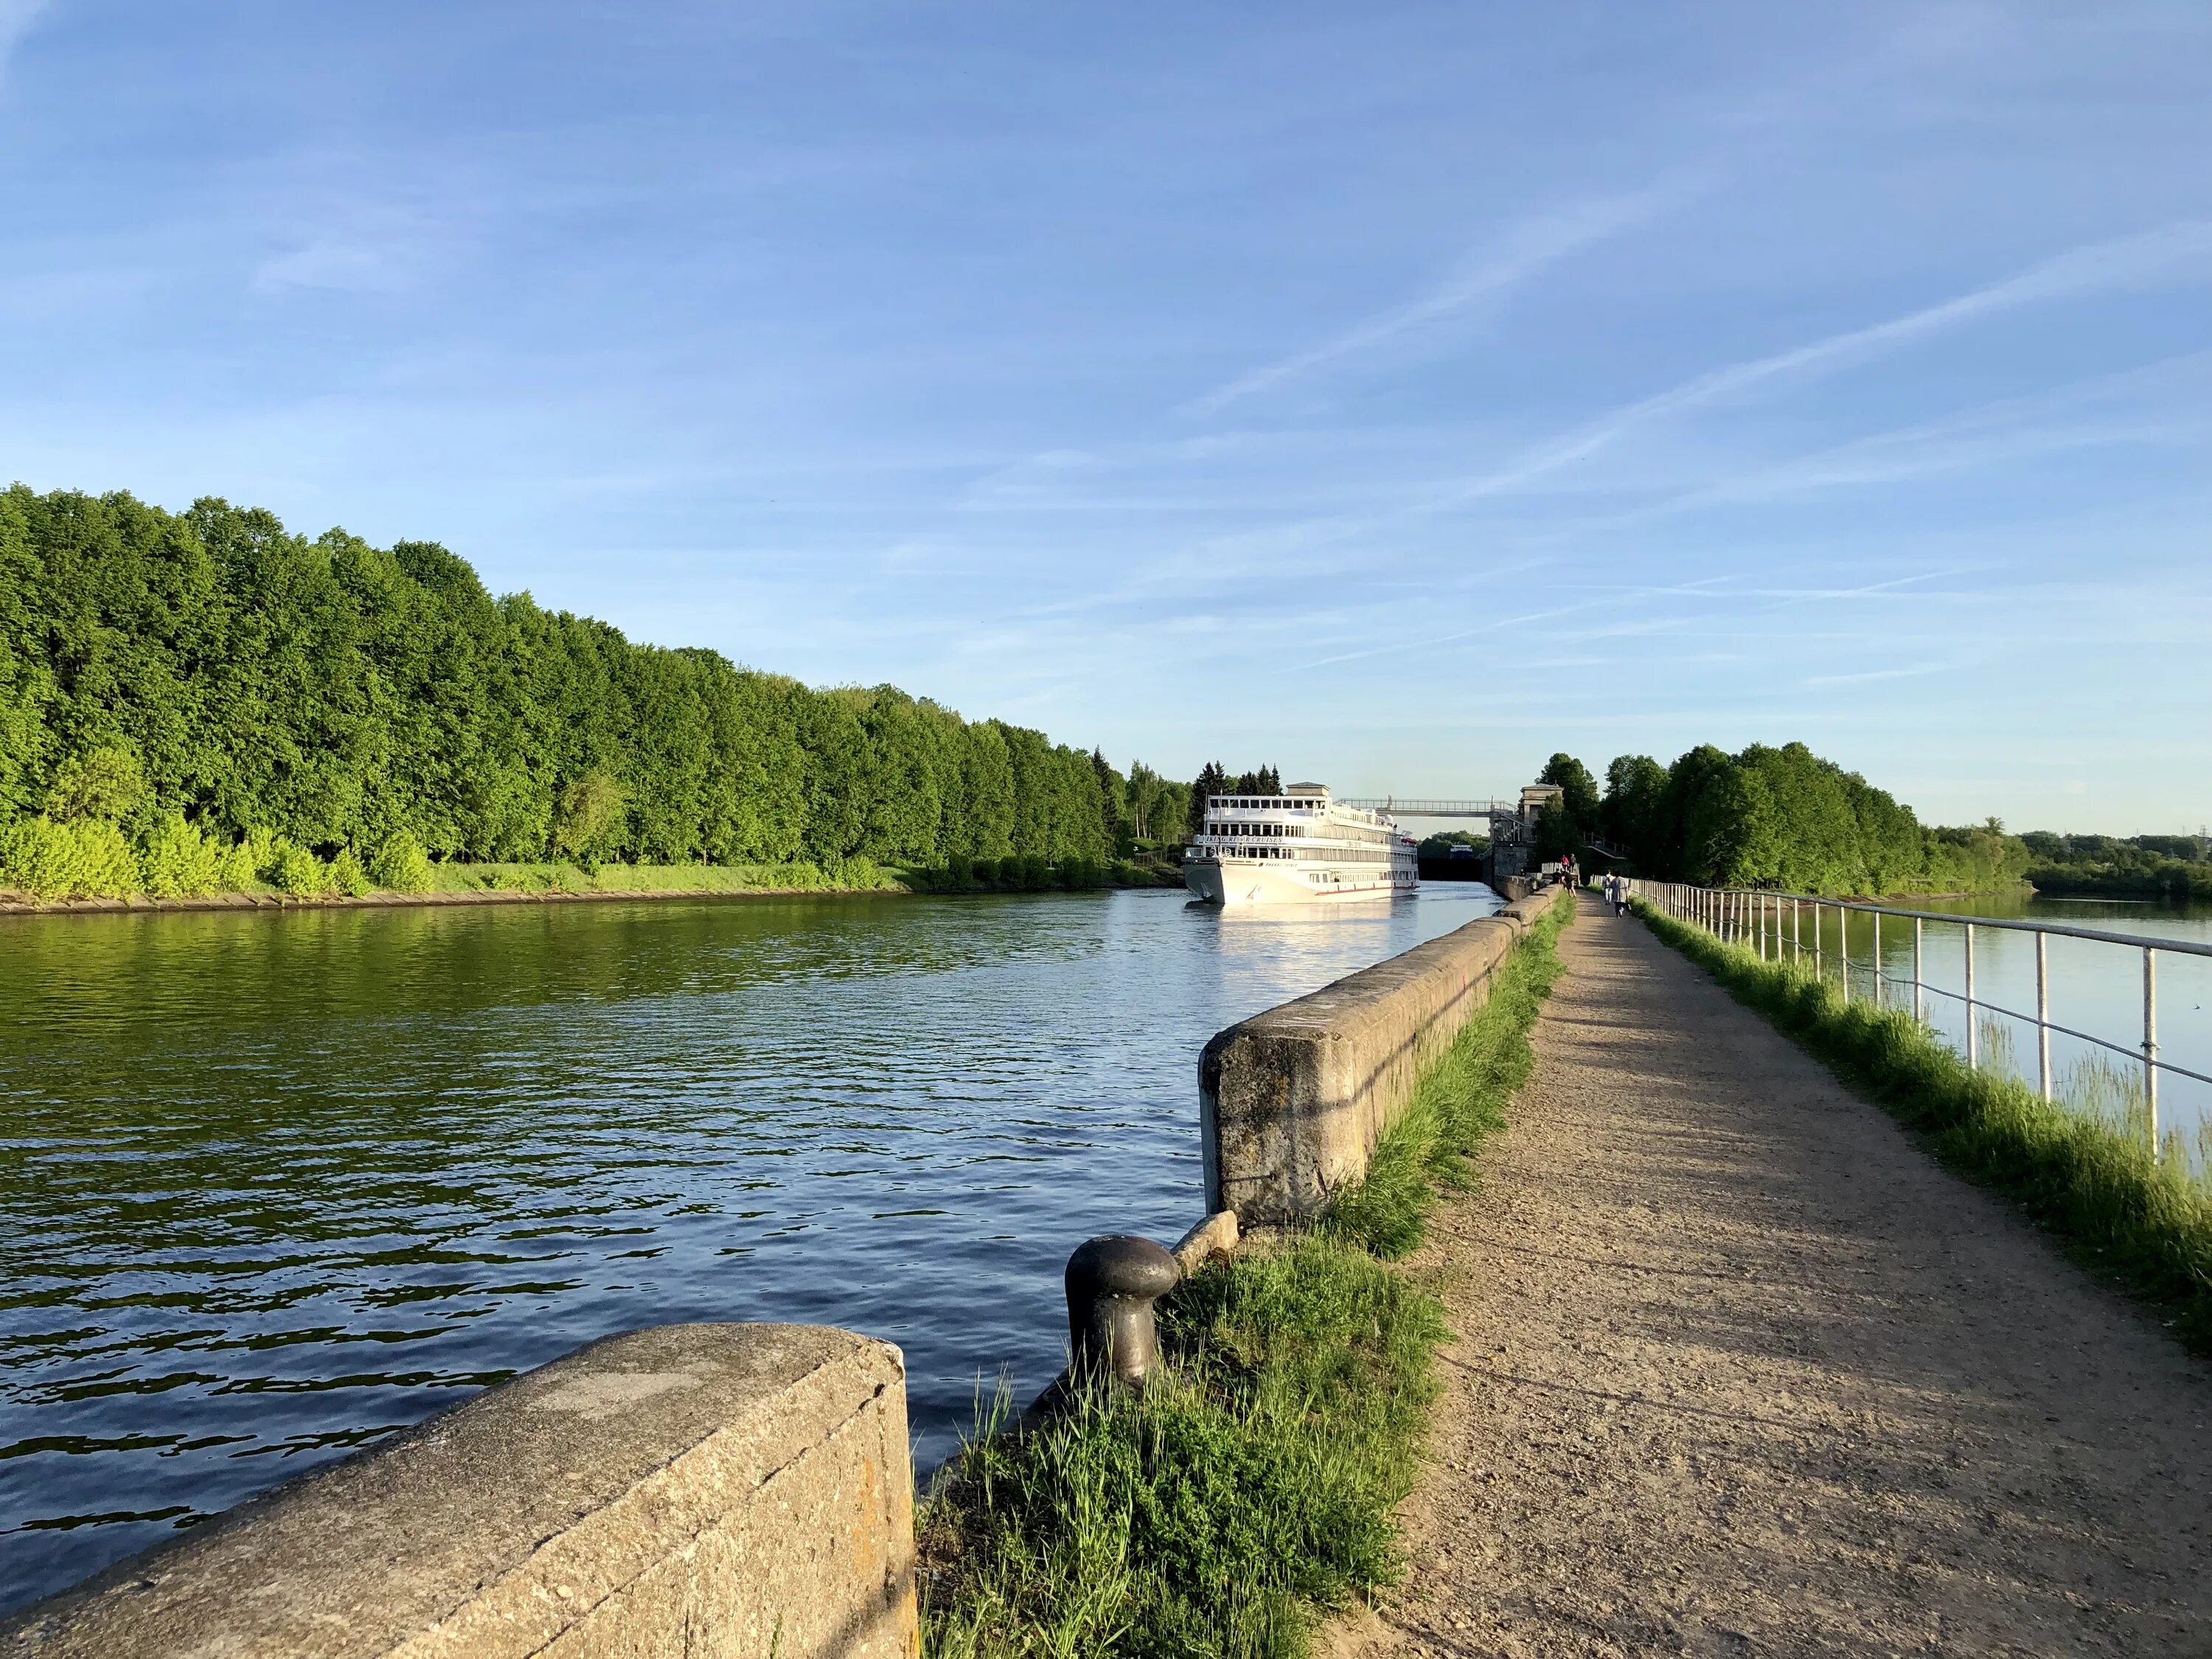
(2179,250)
(16,17)
(1529,248)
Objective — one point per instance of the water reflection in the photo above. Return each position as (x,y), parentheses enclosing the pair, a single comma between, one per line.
(272,1186)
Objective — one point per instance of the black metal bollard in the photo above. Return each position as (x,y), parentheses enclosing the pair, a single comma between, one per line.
(1112,1283)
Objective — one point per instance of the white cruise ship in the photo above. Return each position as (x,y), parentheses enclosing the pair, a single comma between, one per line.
(1296,848)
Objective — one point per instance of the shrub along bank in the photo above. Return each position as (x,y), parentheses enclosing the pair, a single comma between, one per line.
(1250,1488)
(52,863)
(2177,868)
(2143,1222)
(1035,875)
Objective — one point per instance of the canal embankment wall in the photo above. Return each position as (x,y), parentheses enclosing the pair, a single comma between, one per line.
(685,1489)
(1292,1100)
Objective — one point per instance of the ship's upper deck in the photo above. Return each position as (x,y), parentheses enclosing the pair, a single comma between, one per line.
(1303,812)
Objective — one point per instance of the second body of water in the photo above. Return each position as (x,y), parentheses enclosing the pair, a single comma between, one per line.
(2095,989)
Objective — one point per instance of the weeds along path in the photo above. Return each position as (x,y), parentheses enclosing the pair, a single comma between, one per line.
(1739,1369)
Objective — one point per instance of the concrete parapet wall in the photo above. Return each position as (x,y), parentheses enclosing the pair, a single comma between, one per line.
(693,1489)
(1292,1100)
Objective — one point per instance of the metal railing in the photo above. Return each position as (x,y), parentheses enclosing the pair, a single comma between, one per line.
(1753,917)
(1406,807)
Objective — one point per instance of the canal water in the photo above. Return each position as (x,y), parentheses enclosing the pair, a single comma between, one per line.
(274,1186)
(2095,988)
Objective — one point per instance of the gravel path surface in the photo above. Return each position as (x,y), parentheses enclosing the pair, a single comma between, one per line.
(1739,1371)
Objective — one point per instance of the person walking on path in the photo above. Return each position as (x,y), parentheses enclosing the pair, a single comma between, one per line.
(1737,1369)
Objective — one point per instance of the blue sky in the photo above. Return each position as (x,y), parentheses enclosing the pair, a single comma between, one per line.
(1394,394)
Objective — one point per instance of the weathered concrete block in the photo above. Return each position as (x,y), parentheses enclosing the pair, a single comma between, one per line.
(1213,1238)
(1292,1100)
(693,1489)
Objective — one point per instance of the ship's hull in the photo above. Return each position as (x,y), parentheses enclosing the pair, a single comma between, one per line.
(1237,882)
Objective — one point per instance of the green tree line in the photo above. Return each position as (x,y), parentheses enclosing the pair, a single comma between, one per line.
(200,695)
(1782,817)
(2135,867)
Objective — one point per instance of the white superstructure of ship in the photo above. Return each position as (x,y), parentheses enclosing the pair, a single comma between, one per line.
(1298,848)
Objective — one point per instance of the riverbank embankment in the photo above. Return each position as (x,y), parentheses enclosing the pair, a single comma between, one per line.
(1735,1366)
(140,904)
(544,884)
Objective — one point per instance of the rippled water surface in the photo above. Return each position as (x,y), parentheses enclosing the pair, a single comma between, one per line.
(271,1186)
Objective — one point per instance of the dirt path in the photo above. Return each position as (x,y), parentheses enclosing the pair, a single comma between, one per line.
(1738,1370)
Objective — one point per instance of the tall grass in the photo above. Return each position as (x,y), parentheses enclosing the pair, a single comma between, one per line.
(1249,1489)
(1248,1485)
(2084,1169)
(1459,1104)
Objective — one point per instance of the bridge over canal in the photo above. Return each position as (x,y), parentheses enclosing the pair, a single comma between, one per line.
(1512,823)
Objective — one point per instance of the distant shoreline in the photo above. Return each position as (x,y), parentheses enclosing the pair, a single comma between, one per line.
(139,904)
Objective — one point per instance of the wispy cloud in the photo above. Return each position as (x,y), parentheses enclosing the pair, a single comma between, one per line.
(2179,250)
(16,17)
(1525,251)
(1917,671)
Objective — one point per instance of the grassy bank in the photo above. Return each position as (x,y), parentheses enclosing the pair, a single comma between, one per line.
(2088,1175)
(1249,1489)
(325,883)
(309,880)
(859,875)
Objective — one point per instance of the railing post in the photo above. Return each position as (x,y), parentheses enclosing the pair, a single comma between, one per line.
(2150,1043)
(1820,968)
(1797,932)
(2043,1012)
(1973,1033)
(1877,959)
(1843,949)
(1919,998)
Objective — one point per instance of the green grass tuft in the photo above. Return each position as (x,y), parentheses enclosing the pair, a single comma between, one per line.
(1248,1490)
(1250,1485)
(2088,1174)
(1460,1104)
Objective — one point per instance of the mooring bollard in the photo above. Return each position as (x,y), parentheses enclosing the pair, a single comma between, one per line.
(1112,1283)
